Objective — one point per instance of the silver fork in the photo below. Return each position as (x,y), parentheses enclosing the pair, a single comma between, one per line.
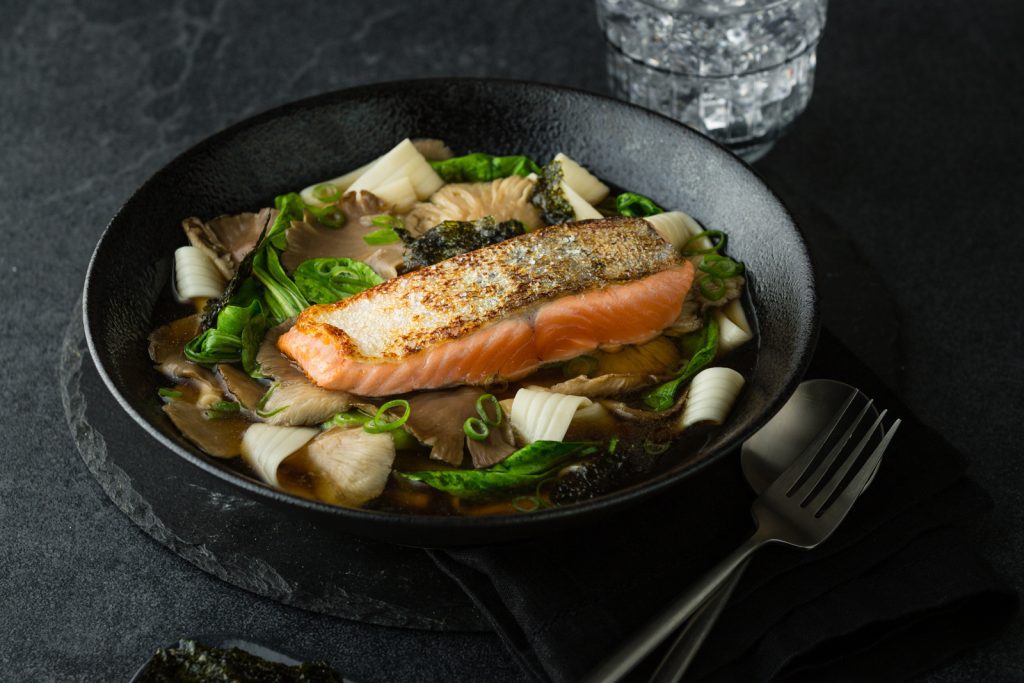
(801,509)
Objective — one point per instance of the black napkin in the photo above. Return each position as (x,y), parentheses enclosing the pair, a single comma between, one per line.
(895,591)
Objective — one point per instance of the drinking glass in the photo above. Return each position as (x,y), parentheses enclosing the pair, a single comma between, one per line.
(740,71)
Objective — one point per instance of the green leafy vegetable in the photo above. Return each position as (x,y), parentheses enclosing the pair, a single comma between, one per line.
(549,197)
(633,204)
(326,280)
(530,464)
(289,207)
(663,397)
(477,167)
(451,238)
(282,295)
(382,236)
(224,343)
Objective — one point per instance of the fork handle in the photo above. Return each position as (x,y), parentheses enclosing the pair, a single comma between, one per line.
(691,637)
(659,628)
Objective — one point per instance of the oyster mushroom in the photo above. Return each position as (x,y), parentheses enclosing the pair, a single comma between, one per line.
(240,386)
(167,350)
(349,466)
(293,399)
(219,436)
(308,239)
(436,419)
(503,199)
(227,239)
(604,385)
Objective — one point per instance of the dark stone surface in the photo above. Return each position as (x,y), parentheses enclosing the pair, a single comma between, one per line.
(911,147)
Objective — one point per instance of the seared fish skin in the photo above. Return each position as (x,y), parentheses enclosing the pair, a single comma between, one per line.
(496,312)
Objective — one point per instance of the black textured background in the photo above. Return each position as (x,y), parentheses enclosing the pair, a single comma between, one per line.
(911,148)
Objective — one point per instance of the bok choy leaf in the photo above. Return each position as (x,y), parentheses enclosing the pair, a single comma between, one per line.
(531,464)
(705,343)
(326,280)
(478,167)
(633,204)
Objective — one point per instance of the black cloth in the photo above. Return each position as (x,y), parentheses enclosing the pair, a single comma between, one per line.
(898,588)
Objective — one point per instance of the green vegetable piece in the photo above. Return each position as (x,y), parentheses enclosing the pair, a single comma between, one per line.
(476,429)
(549,197)
(403,440)
(633,204)
(326,280)
(222,409)
(282,295)
(711,287)
(710,234)
(329,216)
(663,397)
(478,167)
(379,422)
(327,192)
(290,207)
(482,404)
(381,236)
(720,266)
(169,393)
(212,346)
(530,464)
(451,238)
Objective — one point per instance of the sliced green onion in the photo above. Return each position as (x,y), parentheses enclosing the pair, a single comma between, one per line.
(580,365)
(169,393)
(382,236)
(712,287)
(613,444)
(720,266)
(328,216)
(386,220)
(710,234)
(476,429)
(327,192)
(653,448)
(222,409)
(378,424)
(346,418)
(481,410)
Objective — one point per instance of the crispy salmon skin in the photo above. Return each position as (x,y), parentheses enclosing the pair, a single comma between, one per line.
(497,312)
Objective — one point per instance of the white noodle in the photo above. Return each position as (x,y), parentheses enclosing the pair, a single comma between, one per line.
(195,275)
(711,396)
(733,328)
(266,446)
(581,180)
(540,415)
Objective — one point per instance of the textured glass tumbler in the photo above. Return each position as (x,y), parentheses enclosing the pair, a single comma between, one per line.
(740,71)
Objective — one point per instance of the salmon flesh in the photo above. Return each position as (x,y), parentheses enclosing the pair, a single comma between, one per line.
(496,313)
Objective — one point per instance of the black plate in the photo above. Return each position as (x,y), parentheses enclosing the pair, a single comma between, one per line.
(245,166)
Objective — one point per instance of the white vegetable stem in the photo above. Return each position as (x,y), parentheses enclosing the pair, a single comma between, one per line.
(540,415)
(266,446)
(711,396)
(195,275)
(579,205)
(583,183)
(404,161)
(678,228)
(733,328)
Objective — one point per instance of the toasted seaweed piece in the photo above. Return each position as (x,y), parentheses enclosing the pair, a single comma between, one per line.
(452,238)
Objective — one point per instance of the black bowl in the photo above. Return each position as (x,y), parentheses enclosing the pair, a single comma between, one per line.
(245,166)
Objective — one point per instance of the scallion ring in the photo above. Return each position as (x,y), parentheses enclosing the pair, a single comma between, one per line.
(329,216)
(476,429)
(712,287)
(378,424)
(720,266)
(326,193)
(580,365)
(654,448)
(527,503)
(710,234)
(481,410)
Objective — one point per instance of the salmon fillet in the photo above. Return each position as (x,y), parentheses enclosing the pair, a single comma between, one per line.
(497,312)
